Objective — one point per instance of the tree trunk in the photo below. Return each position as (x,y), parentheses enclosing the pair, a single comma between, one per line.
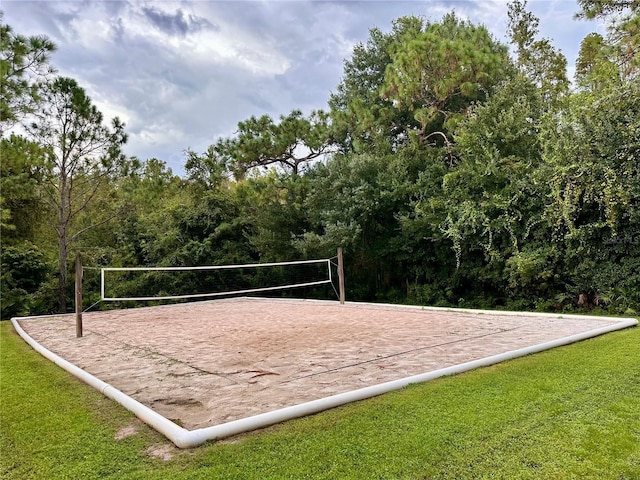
(62,243)
(62,269)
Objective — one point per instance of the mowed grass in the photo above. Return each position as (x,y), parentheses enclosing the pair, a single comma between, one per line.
(572,412)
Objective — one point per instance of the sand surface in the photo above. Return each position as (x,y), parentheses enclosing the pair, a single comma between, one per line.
(205,363)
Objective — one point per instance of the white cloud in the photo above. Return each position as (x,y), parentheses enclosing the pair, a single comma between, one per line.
(211,41)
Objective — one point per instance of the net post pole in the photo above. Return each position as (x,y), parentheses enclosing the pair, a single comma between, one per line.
(78,296)
(341,275)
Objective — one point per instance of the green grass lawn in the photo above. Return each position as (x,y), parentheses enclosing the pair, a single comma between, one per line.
(573,412)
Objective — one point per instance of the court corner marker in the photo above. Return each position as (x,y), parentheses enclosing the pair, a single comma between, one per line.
(184,438)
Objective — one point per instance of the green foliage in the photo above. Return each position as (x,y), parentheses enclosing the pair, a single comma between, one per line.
(363,119)
(437,74)
(488,209)
(596,177)
(165,223)
(623,18)
(208,170)
(599,8)
(362,202)
(275,215)
(490,195)
(537,59)
(595,65)
(354,203)
(24,63)
(21,172)
(593,172)
(23,270)
(260,143)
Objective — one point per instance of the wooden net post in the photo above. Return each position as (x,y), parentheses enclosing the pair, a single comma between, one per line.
(78,296)
(341,275)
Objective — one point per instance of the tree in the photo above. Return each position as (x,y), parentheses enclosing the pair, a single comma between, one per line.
(395,113)
(261,142)
(22,271)
(595,66)
(538,59)
(493,199)
(363,119)
(24,64)
(356,201)
(21,172)
(624,31)
(208,170)
(412,81)
(440,72)
(593,173)
(81,153)
(275,213)
(600,8)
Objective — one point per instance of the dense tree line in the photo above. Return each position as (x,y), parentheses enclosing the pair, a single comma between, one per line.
(449,171)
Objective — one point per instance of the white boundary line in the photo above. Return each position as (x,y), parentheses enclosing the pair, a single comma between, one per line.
(184,438)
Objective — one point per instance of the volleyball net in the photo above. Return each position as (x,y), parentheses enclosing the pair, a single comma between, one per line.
(179,283)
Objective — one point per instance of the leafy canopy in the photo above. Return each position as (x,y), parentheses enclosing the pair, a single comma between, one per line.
(24,64)
(439,73)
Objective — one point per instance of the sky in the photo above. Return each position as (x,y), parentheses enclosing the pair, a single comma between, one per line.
(182,74)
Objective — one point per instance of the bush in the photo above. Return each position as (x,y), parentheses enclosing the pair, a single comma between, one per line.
(24,270)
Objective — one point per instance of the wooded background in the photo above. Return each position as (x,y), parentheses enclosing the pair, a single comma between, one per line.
(451,172)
